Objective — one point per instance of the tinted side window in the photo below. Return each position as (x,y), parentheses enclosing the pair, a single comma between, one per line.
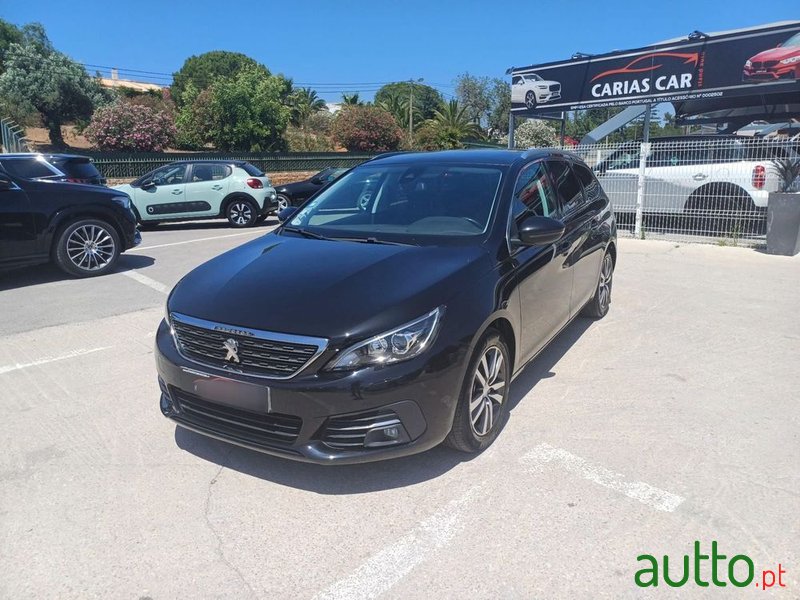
(252,170)
(79,169)
(591,188)
(567,185)
(29,168)
(533,194)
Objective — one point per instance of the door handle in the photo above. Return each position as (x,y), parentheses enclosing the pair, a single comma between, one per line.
(216,187)
(176,192)
(699,176)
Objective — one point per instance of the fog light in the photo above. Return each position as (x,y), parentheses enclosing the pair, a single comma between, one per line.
(386,436)
(166,404)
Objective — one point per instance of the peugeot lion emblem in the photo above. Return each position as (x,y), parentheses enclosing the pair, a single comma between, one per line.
(232,346)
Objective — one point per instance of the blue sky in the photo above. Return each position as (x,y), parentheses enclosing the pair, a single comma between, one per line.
(353,45)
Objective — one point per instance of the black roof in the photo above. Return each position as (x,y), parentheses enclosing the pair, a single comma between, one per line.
(45,154)
(487,156)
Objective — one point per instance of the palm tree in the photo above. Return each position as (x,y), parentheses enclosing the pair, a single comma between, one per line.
(451,125)
(351,100)
(397,106)
(304,103)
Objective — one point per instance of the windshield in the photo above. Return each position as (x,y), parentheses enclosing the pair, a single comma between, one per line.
(408,203)
(792,41)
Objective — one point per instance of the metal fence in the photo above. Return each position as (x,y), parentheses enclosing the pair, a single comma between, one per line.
(122,166)
(13,137)
(705,190)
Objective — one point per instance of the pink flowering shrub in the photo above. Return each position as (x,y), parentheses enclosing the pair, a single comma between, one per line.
(131,128)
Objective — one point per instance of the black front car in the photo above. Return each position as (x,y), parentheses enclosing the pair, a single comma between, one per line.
(388,313)
(282,397)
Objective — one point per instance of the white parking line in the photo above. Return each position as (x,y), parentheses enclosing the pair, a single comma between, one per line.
(145,280)
(544,454)
(44,361)
(205,239)
(383,570)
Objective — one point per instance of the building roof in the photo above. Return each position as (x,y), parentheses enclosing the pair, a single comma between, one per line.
(139,86)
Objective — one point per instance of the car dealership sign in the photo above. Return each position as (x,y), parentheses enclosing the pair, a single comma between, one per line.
(761,60)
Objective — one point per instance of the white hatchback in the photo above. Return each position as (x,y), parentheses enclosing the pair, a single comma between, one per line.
(183,191)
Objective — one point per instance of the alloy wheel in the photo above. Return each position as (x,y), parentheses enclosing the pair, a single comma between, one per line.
(530,100)
(604,285)
(240,213)
(283,202)
(90,247)
(487,392)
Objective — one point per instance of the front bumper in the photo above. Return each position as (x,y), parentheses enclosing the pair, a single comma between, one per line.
(321,418)
(550,96)
(783,72)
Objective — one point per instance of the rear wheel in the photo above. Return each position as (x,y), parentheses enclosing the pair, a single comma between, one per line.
(723,210)
(598,306)
(241,213)
(87,248)
(483,402)
(283,202)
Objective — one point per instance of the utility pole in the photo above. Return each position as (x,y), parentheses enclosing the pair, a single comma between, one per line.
(411,111)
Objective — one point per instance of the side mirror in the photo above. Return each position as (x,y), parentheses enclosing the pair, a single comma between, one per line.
(316,180)
(5,183)
(540,231)
(148,185)
(287,213)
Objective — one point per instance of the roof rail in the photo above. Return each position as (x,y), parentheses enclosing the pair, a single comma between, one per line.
(388,154)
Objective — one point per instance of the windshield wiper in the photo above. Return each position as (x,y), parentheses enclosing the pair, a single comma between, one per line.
(306,233)
(374,240)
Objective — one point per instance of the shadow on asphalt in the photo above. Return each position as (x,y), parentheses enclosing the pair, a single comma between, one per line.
(49,273)
(370,477)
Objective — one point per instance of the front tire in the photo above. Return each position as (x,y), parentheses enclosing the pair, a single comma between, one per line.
(598,306)
(530,99)
(483,402)
(87,248)
(241,213)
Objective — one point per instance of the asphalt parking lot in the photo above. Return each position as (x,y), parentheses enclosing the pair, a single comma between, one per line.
(672,420)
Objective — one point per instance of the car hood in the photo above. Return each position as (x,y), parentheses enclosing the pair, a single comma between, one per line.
(297,186)
(68,188)
(332,289)
(776,54)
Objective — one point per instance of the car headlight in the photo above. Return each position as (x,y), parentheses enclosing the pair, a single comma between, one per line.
(748,64)
(791,60)
(397,345)
(123,201)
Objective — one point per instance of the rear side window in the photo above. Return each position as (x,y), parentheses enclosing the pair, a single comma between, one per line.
(591,188)
(567,185)
(29,168)
(78,169)
(252,170)
(209,172)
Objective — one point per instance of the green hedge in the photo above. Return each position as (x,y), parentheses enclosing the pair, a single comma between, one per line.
(118,165)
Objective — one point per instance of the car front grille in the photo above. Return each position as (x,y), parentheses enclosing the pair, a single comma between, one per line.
(555,87)
(263,354)
(349,431)
(260,429)
(760,66)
